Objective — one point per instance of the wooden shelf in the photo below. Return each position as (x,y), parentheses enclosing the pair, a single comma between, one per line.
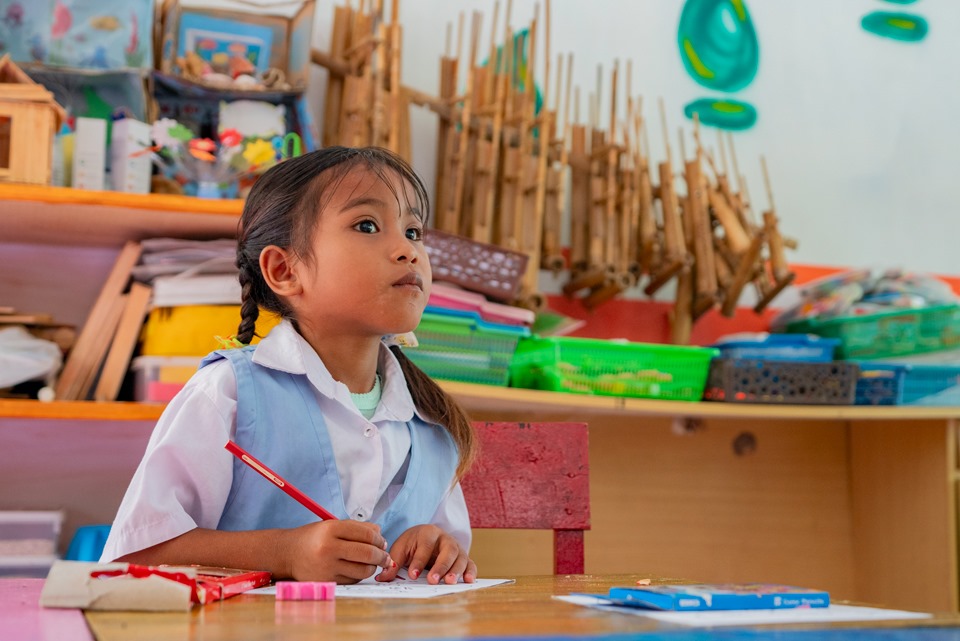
(76,217)
(526,402)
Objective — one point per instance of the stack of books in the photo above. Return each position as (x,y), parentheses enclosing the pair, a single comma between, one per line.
(196,301)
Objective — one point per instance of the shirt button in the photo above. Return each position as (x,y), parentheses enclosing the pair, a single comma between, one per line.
(360,515)
(368,432)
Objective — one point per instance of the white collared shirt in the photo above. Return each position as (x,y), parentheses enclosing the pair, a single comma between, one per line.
(185,476)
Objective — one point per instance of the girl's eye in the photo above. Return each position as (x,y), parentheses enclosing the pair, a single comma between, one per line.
(415,233)
(367,227)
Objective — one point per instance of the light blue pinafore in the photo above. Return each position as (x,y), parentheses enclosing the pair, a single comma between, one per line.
(280,423)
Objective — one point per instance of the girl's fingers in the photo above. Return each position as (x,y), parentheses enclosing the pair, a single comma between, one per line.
(421,557)
(361,532)
(366,554)
(447,552)
(470,574)
(456,570)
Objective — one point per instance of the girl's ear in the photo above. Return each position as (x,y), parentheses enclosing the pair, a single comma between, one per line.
(277,267)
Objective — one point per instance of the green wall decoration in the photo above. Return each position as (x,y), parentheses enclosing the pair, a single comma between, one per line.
(719,49)
(718,44)
(904,27)
(722,113)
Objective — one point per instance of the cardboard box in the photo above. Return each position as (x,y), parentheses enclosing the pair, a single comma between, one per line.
(125,586)
(275,36)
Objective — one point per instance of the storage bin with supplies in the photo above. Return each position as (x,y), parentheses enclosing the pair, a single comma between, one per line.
(880,383)
(937,385)
(28,542)
(157,379)
(782,382)
(778,347)
(459,345)
(611,368)
(887,334)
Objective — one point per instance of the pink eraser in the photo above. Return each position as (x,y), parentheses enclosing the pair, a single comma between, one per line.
(306,590)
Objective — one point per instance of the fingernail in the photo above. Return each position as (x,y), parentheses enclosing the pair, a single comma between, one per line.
(435,577)
(452,578)
(393,563)
(414,573)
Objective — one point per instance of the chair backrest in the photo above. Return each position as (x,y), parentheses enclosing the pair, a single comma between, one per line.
(533,476)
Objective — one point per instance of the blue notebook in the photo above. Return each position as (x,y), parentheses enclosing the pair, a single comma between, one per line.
(719,596)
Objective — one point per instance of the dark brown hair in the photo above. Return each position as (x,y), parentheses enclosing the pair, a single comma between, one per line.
(282,210)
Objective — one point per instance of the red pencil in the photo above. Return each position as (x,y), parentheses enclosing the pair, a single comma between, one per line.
(271,476)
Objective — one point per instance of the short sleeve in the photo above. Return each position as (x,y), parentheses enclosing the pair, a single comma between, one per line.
(184,478)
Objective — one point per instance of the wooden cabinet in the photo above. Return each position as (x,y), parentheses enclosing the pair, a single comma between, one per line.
(856,500)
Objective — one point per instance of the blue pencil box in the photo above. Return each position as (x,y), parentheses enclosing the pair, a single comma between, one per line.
(732,596)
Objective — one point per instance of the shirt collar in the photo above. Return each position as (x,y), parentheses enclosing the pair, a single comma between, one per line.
(285,350)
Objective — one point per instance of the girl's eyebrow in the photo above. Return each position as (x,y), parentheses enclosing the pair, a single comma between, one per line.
(362,201)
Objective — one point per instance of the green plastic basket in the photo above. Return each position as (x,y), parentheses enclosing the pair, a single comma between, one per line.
(464,349)
(611,368)
(887,334)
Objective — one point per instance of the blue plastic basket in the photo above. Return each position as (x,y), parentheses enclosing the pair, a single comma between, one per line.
(781,347)
(87,543)
(880,384)
(932,385)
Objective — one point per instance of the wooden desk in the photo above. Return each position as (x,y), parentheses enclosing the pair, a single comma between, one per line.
(521,609)
(858,501)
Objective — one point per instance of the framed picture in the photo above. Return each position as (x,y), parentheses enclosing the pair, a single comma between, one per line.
(216,40)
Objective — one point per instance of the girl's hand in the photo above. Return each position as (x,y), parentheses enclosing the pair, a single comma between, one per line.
(427,546)
(342,551)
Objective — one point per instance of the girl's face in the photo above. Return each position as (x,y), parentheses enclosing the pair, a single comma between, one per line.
(369,274)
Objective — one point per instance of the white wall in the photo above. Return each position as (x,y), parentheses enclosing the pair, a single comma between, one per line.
(856,129)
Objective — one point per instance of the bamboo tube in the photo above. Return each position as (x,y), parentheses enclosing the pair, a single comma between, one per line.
(333,101)
(579,162)
(458,160)
(681,318)
(448,88)
(535,233)
(743,273)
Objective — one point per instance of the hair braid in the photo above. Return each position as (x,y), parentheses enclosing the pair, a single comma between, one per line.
(249,309)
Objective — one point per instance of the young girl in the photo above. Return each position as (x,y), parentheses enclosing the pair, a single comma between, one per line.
(332,241)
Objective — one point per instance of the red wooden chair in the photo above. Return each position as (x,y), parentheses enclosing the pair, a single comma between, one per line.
(533,476)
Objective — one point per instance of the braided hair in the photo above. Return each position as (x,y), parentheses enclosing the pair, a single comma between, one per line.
(282,209)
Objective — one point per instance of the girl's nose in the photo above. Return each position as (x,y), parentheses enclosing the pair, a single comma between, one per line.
(407,251)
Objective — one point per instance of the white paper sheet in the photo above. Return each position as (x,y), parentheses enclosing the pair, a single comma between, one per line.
(707,618)
(370,588)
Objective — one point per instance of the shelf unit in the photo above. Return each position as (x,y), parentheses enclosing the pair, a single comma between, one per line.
(861,501)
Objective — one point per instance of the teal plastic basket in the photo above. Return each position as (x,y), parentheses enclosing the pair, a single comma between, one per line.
(888,334)
(460,346)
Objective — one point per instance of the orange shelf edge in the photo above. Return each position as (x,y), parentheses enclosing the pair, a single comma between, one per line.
(151,202)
